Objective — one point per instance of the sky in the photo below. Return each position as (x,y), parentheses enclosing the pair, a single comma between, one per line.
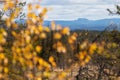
(74,9)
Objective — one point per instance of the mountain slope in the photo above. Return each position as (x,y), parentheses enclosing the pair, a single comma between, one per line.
(86,24)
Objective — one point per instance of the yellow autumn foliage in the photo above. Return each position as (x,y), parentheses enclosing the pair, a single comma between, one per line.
(27,42)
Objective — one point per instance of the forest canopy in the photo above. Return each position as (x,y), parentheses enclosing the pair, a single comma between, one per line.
(32,51)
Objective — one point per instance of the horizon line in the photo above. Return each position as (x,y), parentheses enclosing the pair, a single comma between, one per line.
(78,19)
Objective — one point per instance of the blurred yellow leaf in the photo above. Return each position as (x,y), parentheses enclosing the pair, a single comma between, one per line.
(42,35)
(65,31)
(5,69)
(57,35)
(38,48)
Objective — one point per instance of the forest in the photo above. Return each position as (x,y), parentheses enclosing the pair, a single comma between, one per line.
(32,51)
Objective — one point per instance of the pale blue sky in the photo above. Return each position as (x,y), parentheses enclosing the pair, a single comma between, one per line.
(74,9)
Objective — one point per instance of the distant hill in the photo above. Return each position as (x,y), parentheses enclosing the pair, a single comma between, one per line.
(86,24)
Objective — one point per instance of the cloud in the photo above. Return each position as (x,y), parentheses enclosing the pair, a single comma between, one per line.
(73,9)
(83,1)
(80,11)
(55,2)
(73,2)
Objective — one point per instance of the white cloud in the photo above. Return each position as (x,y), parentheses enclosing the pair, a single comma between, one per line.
(83,1)
(73,9)
(69,2)
(79,11)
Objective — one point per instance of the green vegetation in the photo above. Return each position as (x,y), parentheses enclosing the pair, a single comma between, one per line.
(36,52)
